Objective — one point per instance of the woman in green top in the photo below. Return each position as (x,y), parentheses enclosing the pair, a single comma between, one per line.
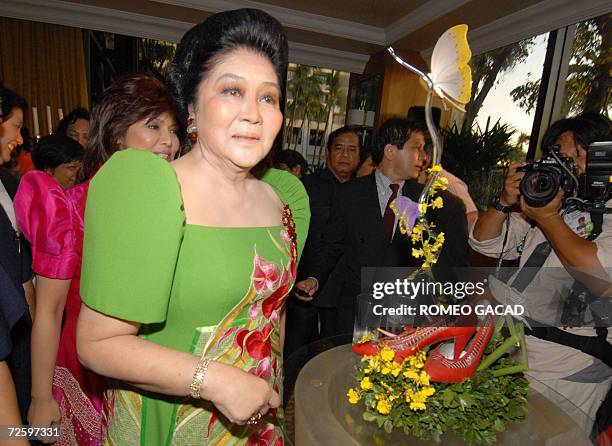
(186,266)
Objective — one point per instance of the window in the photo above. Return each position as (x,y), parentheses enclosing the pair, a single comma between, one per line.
(587,85)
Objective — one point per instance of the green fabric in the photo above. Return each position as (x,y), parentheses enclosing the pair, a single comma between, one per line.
(142,263)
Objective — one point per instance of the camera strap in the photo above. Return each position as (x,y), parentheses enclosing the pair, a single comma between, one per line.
(531,266)
(541,253)
(596,346)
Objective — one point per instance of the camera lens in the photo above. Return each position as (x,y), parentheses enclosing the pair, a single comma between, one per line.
(539,187)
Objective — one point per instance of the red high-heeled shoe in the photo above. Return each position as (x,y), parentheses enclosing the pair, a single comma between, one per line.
(408,343)
(462,366)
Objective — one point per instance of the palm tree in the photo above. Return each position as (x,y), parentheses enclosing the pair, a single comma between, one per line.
(310,104)
(302,84)
(333,99)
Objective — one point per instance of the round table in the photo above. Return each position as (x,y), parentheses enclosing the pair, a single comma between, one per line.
(323,416)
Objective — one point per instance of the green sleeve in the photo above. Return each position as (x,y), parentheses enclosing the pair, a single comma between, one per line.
(292,192)
(134,224)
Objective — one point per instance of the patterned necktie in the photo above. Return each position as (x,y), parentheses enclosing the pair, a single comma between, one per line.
(389,216)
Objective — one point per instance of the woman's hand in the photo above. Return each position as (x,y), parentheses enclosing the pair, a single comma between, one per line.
(44,413)
(237,394)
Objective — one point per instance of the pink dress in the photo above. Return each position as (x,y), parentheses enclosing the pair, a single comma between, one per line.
(52,220)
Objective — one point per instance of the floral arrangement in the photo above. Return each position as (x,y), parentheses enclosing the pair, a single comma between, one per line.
(411,218)
(400,396)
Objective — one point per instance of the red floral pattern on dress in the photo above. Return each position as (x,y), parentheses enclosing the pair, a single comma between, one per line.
(270,285)
(265,275)
(263,369)
(256,342)
(264,437)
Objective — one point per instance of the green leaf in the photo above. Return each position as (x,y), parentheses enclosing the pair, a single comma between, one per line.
(499,425)
(368,416)
(388,426)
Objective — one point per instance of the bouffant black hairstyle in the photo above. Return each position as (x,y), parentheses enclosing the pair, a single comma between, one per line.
(203,45)
(395,131)
(54,150)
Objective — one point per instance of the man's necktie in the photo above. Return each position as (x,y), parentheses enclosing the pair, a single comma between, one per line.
(389,216)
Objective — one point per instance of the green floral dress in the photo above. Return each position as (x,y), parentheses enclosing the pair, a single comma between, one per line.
(217,291)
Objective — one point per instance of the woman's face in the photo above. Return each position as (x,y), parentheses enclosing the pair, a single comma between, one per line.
(156,135)
(10,136)
(237,112)
(66,174)
(78,131)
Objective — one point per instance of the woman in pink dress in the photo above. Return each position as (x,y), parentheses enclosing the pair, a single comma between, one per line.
(135,112)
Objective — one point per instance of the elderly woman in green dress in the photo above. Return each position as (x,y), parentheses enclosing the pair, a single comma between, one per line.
(187,265)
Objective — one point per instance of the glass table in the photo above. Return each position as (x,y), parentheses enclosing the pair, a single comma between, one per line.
(318,413)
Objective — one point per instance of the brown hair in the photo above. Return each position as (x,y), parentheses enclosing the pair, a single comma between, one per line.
(132,98)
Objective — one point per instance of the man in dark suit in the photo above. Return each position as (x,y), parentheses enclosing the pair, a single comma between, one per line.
(363,231)
(342,159)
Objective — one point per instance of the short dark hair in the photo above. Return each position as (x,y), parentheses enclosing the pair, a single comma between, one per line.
(71,118)
(395,131)
(341,131)
(10,100)
(132,98)
(291,158)
(203,45)
(54,150)
(586,128)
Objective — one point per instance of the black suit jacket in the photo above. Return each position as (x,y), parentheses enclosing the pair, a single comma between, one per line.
(321,187)
(354,238)
(17,265)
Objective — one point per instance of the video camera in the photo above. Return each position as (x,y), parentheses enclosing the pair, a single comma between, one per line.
(544,178)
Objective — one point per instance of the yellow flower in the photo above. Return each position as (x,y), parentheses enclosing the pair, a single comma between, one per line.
(424,378)
(353,396)
(383,407)
(428,391)
(417,230)
(365,338)
(437,203)
(417,252)
(387,354)
(417,361)
(440,237)
(411,374)
(422,208)
(417,406)
(366,384)
(397,368)
(409,394)
(436,168)
(385,370)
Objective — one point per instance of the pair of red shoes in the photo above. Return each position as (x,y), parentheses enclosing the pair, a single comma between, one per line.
(463,365)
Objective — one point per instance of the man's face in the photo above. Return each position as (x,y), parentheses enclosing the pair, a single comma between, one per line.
(343,155)
(410,160)
(571,149)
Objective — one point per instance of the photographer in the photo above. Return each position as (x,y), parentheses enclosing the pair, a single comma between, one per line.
(550,240)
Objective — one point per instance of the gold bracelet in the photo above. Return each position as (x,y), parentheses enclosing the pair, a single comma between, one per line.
(198,377)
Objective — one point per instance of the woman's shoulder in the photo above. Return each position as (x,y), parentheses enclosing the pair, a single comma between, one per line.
(288,187)
(135,174)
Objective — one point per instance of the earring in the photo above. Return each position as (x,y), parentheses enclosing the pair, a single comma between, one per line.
(192,130)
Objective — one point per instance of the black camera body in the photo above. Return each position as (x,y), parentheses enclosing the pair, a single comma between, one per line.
(544,178)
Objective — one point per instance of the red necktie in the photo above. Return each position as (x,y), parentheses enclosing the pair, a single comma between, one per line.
(389,217)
